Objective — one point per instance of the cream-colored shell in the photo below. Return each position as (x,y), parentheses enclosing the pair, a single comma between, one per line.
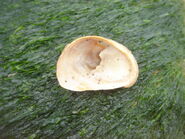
(96,63)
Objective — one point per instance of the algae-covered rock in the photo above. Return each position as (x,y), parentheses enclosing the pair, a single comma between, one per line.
(32,36)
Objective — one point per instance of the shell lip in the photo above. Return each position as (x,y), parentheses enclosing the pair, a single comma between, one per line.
(115,44)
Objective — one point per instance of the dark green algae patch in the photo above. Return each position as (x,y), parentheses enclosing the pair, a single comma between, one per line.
(32,36)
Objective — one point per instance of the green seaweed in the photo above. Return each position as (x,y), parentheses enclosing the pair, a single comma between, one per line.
(32,36)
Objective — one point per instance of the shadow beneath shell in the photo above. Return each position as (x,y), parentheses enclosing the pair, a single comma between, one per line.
(102,92)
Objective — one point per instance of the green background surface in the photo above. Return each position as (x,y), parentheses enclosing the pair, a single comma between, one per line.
(33,105)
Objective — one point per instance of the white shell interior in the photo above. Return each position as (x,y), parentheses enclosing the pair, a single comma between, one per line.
(94,64)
